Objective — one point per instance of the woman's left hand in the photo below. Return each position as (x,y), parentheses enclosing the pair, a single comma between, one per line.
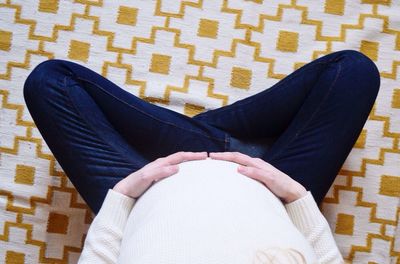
(135,184)
(281,184)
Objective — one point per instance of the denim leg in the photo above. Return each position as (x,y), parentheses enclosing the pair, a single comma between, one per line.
(254,123)
(100,133)
(251,147)
(317,142)
(269,112)
(309,120)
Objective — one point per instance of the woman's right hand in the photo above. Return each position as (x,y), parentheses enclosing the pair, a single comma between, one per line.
(135,184)
(281,184)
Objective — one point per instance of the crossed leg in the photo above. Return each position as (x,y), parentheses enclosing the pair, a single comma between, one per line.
(100,133)
(310,120)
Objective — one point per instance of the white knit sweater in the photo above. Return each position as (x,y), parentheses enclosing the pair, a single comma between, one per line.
(206,213)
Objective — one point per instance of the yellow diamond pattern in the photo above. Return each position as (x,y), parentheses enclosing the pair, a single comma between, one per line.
(287,41)
(390,186)
(370,48)
(240,78)
(345,224)
(165,50)
(50,6)
(79,50)
(127,15)
(13,257)
(335,7)
(160,63)
(208,28)
(5,40)
(24,174)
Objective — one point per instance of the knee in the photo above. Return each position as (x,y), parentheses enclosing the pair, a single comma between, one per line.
(363,69)
(35,83)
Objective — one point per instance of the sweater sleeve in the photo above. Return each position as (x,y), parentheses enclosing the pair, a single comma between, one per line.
(104,236)
(309,220)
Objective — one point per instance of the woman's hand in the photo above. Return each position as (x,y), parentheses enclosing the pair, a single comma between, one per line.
(135,184)
(282,185)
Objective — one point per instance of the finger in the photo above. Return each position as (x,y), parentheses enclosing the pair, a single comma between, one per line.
(261,175)
(250,172)
(239,158)
(176,158)
(182,156)
(155,174)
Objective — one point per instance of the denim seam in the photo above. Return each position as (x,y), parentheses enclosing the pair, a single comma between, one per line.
(59,142)
(279,84)
(147,114)
(309,120)
(91,127)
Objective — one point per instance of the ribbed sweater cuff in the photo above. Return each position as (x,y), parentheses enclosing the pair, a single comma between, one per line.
(116,208)
(304,212)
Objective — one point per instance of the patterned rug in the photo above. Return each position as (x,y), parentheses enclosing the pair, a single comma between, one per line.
(191,56)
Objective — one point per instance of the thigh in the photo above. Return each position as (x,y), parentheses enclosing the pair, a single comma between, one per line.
(307,123)
(314,146)
(91,153)
(153,130)
(267,114)
(76,111)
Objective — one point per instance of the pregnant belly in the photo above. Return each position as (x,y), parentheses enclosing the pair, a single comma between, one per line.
(211,185)
(217,182)
(208,206)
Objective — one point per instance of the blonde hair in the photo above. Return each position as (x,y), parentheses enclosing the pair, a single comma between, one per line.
(279,255)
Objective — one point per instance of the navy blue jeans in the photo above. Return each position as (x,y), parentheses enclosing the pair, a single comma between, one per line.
(305,125)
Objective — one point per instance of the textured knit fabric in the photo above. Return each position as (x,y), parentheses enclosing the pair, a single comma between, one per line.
(206,213)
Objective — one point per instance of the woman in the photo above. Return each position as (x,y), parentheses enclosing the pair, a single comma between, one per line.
(159,198)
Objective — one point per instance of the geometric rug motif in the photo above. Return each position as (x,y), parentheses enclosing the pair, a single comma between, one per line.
(192,56)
